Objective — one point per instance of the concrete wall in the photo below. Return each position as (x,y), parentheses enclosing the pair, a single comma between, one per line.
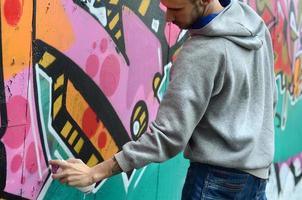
(80,78)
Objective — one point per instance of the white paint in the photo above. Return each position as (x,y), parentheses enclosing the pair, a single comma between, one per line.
(159,55)
(58,155)
(99,186)
(45,188)
(272,187)
(297,167)
(127,181)
(136,128)
(155,25)
(287,182)
(49,126)
(182,34)
(33,130)
(99,13)
(140,176)
(40,72)
(293,24)
(289,191)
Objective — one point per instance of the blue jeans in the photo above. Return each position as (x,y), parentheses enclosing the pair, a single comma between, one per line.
(206,182)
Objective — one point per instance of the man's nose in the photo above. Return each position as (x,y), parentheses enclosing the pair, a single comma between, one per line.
(169,16)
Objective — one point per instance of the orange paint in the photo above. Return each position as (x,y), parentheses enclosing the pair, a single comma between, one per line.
(75,104)
(53,25)
(297,76)
(87,120)
(16,36)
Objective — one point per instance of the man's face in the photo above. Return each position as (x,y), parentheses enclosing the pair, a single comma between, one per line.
(182,13)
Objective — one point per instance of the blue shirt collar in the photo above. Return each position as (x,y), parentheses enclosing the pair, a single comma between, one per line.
(202,21)
(224,3)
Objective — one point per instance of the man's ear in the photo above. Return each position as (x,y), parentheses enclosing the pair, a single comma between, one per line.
(203,2)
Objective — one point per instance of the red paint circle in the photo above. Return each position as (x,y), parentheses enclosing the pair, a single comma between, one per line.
(16,163)
(14,136)
(110,75)
(12,11)
(103,45)
(90,122)
(92,65)
(16,131)
(102,140)
(16,109)
(31,159)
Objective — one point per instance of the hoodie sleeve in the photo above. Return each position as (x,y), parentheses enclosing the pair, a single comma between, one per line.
(275,97)
(196,75)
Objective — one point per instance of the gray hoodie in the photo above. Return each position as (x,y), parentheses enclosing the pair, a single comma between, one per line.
(219,106)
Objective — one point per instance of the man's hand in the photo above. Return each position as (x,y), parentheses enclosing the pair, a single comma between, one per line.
(75,173)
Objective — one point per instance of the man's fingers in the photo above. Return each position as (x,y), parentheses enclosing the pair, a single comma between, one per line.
(68,180)
(64,180)
(74,160)
(61,163)
(60,176)
(75,183)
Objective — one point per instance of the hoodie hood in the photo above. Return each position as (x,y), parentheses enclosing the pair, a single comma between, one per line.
(248,32)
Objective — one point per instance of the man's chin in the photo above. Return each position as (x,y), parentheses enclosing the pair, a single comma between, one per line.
(181,26)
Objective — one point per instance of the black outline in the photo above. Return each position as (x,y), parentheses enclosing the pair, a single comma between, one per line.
(89,91)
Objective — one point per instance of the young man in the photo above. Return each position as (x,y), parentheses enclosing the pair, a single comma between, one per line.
(219,107)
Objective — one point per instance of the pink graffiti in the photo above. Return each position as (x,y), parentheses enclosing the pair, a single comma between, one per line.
(21,147)
(122,84)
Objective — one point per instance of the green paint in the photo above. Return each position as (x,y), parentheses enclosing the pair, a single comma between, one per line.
(288,141)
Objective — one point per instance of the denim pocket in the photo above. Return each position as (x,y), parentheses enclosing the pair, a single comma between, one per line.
(222,184)
(193,184)
(261,190)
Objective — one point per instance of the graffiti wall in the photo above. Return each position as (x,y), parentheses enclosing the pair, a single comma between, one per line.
(284,19)
(81,78)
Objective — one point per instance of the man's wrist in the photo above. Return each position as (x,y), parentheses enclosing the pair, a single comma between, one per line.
(105,169)
(115,168)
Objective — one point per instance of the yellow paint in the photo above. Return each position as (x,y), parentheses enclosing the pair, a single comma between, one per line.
(114,2)
(76,105)
(79,145)
(73,137)
(59,82)
(110,147)
(92,161)
(109,12)
(66,129)
(144,7)
(57,105)
(114,21)
(297,75)
(142,118)
(284,54)
(143,126)
(47,59)
(118,34)
(136,112)
(156,83)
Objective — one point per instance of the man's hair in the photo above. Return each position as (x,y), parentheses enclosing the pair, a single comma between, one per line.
(193,1)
